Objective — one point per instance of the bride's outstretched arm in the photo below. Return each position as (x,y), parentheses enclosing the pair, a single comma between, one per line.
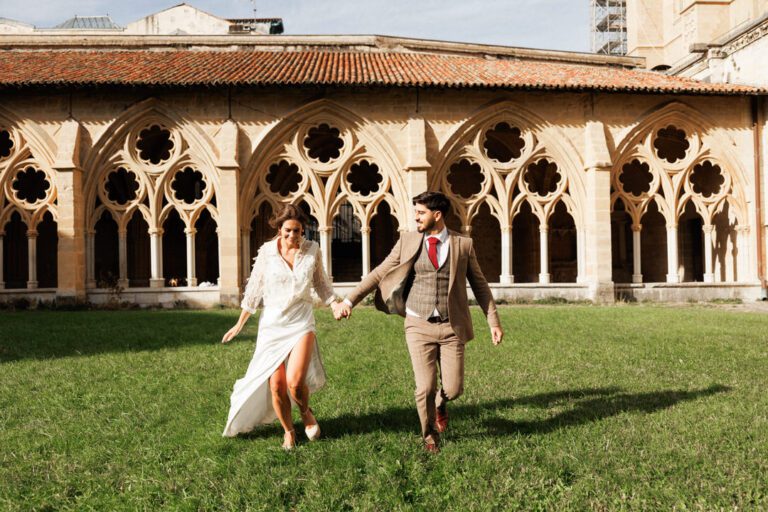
(234,331)
(254,291)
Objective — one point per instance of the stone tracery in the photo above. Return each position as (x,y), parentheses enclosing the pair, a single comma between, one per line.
(28,215)
(340,175)
(152,179)
(505,184)
(668,168)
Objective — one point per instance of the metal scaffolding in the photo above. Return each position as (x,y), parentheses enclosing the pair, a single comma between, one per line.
(609,26)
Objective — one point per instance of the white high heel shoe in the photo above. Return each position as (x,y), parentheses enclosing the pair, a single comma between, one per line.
(312,431)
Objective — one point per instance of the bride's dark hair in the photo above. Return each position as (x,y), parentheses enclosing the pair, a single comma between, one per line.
(288,212)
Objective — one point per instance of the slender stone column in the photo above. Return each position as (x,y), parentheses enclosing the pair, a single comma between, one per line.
(32,259)
(326,235)
(544,276)
(365,234)
(709,275)
(191,278)
(507,277)
(637,272)
(156,256)
(90,259)
(672,264)
(2,283)
(122,239)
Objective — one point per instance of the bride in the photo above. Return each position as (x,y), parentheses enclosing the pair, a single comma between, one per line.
(286,366)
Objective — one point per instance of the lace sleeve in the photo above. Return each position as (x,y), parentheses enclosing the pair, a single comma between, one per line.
(254,290)
(320,281)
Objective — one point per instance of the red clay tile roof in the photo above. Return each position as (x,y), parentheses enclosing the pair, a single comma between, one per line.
(22,68)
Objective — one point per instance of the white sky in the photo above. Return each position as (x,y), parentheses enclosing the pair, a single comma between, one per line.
(551,24)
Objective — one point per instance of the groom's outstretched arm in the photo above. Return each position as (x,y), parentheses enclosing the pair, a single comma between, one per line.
(369,282)
(481,289)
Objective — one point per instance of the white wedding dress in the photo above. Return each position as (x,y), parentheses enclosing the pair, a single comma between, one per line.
(286,317)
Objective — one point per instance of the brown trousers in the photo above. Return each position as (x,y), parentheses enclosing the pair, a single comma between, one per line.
(434,346)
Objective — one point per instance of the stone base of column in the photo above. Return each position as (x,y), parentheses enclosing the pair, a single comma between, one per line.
(673,278)
(69,299)
(157,283)
(508,279)
(602,293)
(91,283)
(709,278)
(2,285)
(637,278)
(123,283)
(544,278)
(192,281)
(31,285)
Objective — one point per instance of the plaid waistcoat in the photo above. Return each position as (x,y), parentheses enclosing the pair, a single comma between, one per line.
(430,287)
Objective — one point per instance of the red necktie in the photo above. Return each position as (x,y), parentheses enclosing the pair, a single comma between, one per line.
(432,249)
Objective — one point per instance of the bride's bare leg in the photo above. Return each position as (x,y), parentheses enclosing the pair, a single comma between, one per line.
(280,400)
(298,363)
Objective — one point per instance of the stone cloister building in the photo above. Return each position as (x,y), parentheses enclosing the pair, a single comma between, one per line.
(150,166)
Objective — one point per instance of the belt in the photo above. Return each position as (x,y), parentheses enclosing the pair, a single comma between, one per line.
(436,320)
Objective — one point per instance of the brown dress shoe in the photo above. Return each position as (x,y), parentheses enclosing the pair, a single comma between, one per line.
(441,419)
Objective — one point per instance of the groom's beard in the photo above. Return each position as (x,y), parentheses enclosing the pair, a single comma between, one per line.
(425,226)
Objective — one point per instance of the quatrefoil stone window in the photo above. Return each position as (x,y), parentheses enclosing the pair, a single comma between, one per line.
(121,186)
(154,144)
(284,178)
(542,177)
(503,143)
(707,179)
(636,178)
(6,144)
(364,178)
(465,178)
(323,143)
(31,185)
(188,185)
(671,144)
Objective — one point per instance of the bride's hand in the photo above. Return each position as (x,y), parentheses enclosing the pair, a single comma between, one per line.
(231,334)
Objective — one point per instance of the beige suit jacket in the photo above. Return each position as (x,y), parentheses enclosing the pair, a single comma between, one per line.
(391,278)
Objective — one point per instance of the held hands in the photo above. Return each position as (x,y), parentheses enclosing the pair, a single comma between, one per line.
(341,310)
(231,334)
(496,335)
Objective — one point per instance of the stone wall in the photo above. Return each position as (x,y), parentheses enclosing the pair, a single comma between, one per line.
(180,182)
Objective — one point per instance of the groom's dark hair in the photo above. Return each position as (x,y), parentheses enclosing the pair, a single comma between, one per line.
(433,201)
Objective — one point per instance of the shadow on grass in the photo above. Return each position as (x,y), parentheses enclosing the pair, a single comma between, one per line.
(584,406)
(587,410)
(54,334)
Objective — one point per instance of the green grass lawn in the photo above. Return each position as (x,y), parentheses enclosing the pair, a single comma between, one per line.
(605,408)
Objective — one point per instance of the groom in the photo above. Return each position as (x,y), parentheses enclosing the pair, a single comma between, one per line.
(424,279)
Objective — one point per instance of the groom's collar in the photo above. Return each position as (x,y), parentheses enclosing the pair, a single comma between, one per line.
(442,236)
